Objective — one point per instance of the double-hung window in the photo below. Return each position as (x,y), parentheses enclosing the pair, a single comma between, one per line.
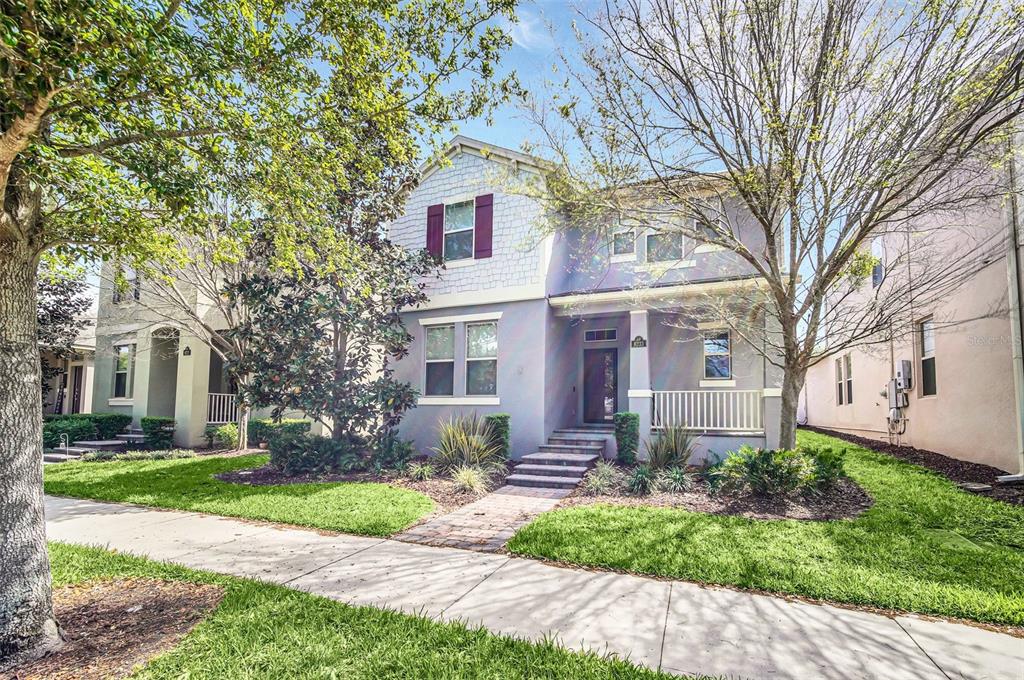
(664,246)
(132,289)
(623,243)
(717,355)
(124,360)
(878,268)
(927,331)
(440,356)
(459,223)
(482,358)
(844,380)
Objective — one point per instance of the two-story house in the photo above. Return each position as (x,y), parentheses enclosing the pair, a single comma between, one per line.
(562,329)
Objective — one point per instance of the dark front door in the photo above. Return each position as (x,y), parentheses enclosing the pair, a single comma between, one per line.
(76,389)
(600,384)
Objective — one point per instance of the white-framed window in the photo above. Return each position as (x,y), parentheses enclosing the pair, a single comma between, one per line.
(482,358)
(878,269)
(926,330)
(133,287)
(439,343)
(459,228)
(124,367)
(600,335)
(624,244)
(717,354)
(664,246)
(844,380)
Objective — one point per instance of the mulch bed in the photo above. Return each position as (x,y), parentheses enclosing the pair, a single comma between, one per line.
(954,469)
(844,501)
(113,626)
(441,490)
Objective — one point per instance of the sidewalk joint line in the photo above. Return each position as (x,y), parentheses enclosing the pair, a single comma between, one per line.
(327,564)
(918,645)
(664,628)
(474,587)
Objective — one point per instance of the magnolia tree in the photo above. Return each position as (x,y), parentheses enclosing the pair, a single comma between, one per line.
(121,121)
(62,302)
(788,136)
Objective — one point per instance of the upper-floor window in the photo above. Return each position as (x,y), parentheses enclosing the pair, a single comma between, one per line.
(458,231)
(926,329)
(844,380)
(482,358)
(133,286)
(440,359)
(664,246)
(624,244)
(717,355)
(124,364)
(878,269)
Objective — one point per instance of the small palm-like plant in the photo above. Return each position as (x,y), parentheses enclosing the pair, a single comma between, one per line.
(673,448)
(420,472)
(467,441)
(604,478)
(471,479)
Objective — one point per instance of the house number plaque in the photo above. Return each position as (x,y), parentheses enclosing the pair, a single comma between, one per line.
(638,342)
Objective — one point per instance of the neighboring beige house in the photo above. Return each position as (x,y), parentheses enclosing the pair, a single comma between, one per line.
(966,388)
(71,390)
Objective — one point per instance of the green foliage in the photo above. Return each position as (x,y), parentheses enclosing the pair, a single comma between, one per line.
(62,300)
(295,453)
(466,440)
(778,472)
(924,546)
(675,480)
(160,454)
(499,423)
(76,429)
(391,452)
(603,478)
(261,430)
(224,436)
(158,431)
(471,479)
(627,436)
(108,425)
(357,508)
(420,472)
(828,465)
(641,480)
(673,447)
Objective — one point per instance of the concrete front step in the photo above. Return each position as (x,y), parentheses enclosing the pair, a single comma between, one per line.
(102,444)
(551,470)
(543,481)
(586,429)
(132,437)
(572,448)
(576,440)
(53,457)
(569,459)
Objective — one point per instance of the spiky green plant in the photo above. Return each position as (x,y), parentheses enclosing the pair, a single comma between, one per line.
(471,479)
(467,440)
(672,448)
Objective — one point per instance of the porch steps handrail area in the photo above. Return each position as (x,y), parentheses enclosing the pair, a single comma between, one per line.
(708,410)
(221,408)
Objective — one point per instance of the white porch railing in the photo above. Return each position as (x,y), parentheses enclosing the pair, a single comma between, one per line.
(710,410)
(221,408)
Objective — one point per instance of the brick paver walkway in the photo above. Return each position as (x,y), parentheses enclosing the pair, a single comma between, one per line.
(487,524)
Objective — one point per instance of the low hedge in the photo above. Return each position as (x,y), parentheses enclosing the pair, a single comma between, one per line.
(294,452)
(108,425)
(499,423)
(261,430)
(158,431)
(77,429)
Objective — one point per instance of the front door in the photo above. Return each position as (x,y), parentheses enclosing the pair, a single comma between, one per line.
(76,389)
(600,385)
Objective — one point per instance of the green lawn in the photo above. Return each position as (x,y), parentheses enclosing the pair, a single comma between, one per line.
(925,546)
(188,484)
(266,631)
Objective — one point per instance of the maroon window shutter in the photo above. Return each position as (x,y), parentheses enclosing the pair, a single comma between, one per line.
(435,231)
(483,226)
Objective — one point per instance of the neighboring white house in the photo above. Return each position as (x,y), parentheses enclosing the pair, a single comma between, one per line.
(71,390)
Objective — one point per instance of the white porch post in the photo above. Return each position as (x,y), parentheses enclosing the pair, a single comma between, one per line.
(140,379)
(193,387)
(640,371)
(771,408)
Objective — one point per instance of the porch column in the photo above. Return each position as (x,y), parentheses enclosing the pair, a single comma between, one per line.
(140,374)
(771,406)
(193,387)
(640,371)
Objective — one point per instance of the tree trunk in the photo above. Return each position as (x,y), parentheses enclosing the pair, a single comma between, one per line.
(243,425)
(28,629)
(792,384)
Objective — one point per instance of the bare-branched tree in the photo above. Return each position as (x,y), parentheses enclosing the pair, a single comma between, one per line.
(791,134)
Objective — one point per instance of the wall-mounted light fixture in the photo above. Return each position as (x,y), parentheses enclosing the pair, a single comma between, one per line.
(187,352)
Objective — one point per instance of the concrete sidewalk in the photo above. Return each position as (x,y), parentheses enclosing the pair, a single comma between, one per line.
(676,626)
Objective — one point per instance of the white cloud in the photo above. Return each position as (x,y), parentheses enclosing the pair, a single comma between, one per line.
(530,32)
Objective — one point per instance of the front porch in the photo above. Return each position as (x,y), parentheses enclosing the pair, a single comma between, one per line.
(672,367)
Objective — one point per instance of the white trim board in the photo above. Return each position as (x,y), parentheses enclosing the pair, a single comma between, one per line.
(458,401)
(532,291)
(463,318)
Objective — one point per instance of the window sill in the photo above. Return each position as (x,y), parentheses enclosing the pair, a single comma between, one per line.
(666,266)
(459,401)
(120,401)
(457,264)
(708,248)
(624,257)
(717,383)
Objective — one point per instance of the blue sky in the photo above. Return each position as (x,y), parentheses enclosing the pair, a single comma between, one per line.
(543,26)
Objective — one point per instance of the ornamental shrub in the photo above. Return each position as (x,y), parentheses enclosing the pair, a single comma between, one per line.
(158,432)
(603,478)
(262,429)
(224,436)
(299,452)
(766,472)
(641,481)
(391,452)
(108,425)
(672,448)
(627,436)
(76,429)
(499,423)
(466,441)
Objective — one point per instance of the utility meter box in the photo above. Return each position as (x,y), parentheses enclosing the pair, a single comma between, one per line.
(897,397)
(904,375)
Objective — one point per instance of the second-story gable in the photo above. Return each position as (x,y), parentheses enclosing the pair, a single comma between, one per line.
(487,237)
